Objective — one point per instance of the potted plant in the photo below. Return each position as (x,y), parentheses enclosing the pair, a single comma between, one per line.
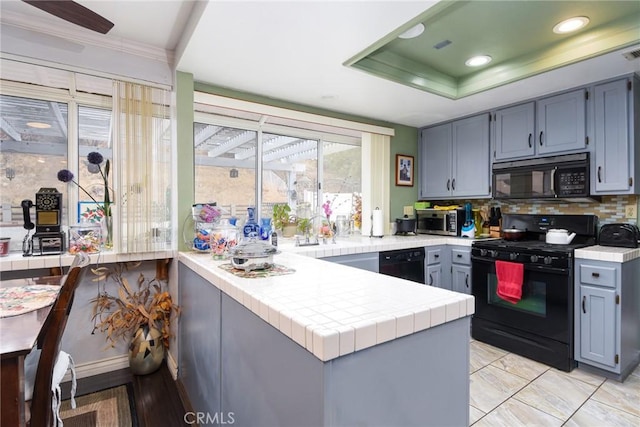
(283,220)
(139,312)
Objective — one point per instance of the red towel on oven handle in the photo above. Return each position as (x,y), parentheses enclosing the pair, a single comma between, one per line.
(510,277)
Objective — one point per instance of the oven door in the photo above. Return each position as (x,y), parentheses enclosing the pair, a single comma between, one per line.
(545,308)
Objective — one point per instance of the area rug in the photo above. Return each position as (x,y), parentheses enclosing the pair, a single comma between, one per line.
(113,407)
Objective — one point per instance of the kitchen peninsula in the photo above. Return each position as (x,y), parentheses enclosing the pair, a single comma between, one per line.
(325,345)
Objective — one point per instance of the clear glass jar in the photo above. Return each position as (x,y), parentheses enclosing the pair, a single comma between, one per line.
(223,237)
(85,237)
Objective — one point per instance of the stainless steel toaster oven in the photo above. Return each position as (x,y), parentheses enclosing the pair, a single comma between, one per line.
(442,222)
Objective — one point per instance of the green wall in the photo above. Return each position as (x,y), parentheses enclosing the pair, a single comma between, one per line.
(404,141)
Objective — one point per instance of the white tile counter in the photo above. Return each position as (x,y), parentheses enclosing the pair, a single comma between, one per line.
(607,253)
(15,261)
(361,244)
(333,310)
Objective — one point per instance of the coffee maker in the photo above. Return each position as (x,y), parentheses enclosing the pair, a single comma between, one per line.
(48,238)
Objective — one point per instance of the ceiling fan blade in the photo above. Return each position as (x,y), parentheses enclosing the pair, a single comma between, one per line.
(74,12)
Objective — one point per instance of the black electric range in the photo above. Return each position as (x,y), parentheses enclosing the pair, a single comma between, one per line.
(540,324)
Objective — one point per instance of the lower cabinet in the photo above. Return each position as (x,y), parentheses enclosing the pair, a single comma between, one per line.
(607,315)
(461,269)
(433,271)
(366,261)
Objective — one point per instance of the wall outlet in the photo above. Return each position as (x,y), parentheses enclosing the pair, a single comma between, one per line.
(407,210)
(631,211)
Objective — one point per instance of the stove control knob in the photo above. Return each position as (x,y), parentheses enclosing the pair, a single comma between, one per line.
(534,258)
(483,252)
(513,256)
(547,260)
(494,254)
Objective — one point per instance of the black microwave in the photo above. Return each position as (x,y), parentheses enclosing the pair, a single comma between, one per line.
(557,177)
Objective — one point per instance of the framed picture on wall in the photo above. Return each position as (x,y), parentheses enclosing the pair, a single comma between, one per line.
(404,170)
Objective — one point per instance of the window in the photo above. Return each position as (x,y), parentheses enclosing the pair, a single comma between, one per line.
(298,165)
(50,115)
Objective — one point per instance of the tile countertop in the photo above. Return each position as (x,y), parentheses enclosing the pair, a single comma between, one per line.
(343,246)
(607,253)
(15,261)
(331,309)
(362,244)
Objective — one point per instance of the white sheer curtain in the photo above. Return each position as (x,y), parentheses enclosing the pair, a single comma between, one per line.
(376,150)
(143,177)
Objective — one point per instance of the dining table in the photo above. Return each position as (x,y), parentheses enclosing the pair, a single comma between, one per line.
(25,305)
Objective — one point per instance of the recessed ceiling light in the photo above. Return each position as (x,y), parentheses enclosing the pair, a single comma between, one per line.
(38,125)
(476,61)
(571,24)
(412,32)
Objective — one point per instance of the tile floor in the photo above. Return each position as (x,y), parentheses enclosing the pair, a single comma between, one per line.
(510,390)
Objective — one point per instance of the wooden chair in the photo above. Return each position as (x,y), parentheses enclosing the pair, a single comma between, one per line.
(42,414)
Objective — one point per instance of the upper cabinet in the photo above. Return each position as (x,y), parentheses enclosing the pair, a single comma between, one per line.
(454,159)
(613,133)
(551,125)
(514,132)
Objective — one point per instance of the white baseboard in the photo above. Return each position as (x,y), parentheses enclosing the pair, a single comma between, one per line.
(97,367)
(172,365)
(113,364)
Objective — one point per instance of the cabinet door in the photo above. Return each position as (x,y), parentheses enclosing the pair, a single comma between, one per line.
(561,123)
(611,138)
(515,132)
(598,324)
(435,162)
(433,276)
(471,161)
(461,278)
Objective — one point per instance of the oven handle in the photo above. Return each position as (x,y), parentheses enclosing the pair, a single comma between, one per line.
(527,267)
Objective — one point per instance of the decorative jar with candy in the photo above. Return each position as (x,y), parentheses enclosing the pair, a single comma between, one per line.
(223,237)
(201,240)
(85,237)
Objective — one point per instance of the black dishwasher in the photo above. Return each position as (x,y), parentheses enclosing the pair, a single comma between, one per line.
(404,263)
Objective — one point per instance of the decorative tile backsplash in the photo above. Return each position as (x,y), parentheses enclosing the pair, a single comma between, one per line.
(609,210)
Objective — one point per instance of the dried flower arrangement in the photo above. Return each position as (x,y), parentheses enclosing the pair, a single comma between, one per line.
(134,306)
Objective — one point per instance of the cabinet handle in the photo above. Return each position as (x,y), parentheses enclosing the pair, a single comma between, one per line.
(459,255)
(436,256)
(595,274)
(599,173)
(448,184)
(466,280)
(584,300)
(453,184)
(530,135)
(540,138)
(430,280)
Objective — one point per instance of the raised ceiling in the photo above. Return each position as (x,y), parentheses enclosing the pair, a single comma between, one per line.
(517,35)
(295,51)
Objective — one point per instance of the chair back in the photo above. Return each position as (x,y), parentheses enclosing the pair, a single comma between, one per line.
(41,412)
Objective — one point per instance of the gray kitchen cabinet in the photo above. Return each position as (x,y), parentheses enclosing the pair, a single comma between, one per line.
(607,319)
(613,133)
(454,159)
(461,269)
(514,132)
(561,123)
(366,261)
(551,125)
(434,259)
(435,162)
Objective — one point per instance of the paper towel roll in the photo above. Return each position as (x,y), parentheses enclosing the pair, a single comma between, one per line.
(377,224)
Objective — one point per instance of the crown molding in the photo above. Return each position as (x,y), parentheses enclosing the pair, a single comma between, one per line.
(87,38)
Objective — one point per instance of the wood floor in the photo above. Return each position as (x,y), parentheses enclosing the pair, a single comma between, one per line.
(157,396)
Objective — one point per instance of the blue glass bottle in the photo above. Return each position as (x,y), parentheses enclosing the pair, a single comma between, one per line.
(265,228)
(251,227)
